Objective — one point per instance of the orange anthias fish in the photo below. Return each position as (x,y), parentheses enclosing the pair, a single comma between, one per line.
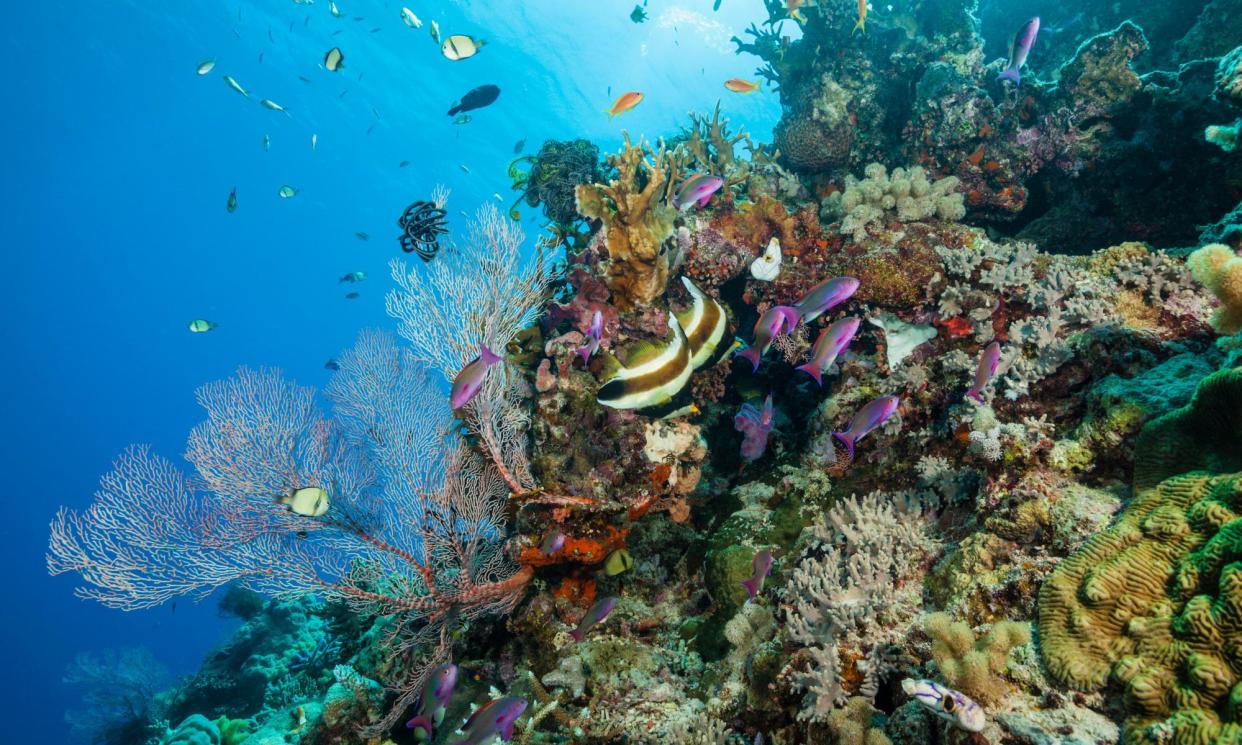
(861,24)
(739,85)
(626,102)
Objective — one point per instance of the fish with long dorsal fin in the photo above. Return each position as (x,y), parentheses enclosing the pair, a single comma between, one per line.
(704,325)
(651,375)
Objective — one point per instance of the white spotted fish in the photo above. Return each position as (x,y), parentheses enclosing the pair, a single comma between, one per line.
(955,708)
(310,501)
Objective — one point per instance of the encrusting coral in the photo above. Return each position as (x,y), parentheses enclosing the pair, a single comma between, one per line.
(637,220)
(973,666)
(1219,269)
(907,192)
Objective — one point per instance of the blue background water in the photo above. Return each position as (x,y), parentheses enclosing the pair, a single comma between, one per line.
(118,160)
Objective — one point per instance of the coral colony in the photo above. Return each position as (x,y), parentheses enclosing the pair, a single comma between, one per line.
(810,442)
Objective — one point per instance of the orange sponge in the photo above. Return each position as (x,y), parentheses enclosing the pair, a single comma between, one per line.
(1219,269)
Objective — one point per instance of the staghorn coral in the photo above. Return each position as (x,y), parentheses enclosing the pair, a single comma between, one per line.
(973,666)
(907,192)
(1219,269)
(636,220)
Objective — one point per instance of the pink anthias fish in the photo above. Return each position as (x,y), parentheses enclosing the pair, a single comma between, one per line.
(831,342)
(698,189)
(989,361)
(492,719)
(779,319)
(553,543)
(434,701)
(468,382)
(596,614)
(754,424)
(1019,48)
(761,565)
(592,338)
(867,419)
(825,296)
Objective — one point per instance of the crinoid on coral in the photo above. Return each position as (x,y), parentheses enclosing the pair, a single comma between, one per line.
(551,177)
(1152,603)
(637,220)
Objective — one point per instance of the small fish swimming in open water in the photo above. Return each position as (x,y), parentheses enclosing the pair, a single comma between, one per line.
(624,103)
(206,66)
(232,83)
(268,103)
(354,277)
(231,205)
(955,708)
(201,326)
(411,20)
(741,85)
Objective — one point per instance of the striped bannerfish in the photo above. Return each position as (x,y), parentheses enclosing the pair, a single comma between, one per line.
(705,324)
(655,374)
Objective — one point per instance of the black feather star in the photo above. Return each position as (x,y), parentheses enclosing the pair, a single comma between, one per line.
(422,224)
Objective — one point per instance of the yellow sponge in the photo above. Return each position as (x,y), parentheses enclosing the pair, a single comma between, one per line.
(1219,269)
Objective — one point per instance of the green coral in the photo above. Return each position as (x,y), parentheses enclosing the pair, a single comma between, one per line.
(858,723)
(195,730)
(1154,603)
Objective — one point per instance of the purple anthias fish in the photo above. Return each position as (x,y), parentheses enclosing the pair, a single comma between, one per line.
(779,319)
(434,701)
(1019,48)
(596,614)
(553,543)
(468,382)
(831,342)
(988,362)
(867,419)
(698,189)
(754,424)
(825,296)
(761,564)
(492,719)
(592,337)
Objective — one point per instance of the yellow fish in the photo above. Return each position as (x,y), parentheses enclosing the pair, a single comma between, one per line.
(310,501)
(861,25)
(740,85)
(624,103)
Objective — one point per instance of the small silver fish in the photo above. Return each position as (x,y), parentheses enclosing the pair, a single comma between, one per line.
(268,103)
(955,708)
(235,85)
(314,142)
(267,143)
(206,66)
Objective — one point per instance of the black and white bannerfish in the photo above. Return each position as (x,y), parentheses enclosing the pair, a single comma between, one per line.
(309,501)
(652,375)
(704,323)
(955,708)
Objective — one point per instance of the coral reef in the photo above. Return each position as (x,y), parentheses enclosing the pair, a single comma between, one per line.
(1219,269)
(974,666)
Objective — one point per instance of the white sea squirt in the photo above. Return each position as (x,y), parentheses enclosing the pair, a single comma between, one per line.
(766,267)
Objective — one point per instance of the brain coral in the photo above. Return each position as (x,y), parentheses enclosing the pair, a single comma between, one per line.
(1154,603)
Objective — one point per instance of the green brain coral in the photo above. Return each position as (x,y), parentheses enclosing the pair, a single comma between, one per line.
(1154,603)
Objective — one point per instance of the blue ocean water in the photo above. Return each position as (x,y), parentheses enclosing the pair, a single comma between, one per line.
(119,159)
